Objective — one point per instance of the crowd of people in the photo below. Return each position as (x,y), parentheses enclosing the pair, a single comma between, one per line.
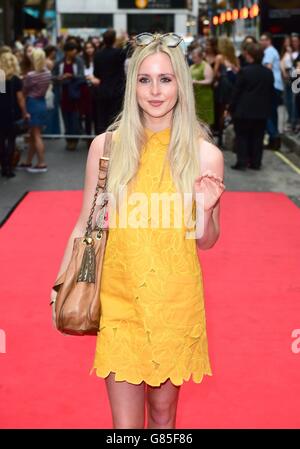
(247,90)
(76,88)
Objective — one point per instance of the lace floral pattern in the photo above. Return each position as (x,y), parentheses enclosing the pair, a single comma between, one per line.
(152,323)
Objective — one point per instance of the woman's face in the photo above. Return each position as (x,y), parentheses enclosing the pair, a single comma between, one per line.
(52,55)
(29,51)
(89,49)
(295,41)
(196,57)
(96,41)
(157,87)
(287,42)
(71,54)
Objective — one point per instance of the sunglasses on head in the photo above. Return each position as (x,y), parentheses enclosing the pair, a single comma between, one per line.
(168,39)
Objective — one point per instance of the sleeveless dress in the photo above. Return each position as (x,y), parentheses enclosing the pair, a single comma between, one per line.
(152,324)
(204,95)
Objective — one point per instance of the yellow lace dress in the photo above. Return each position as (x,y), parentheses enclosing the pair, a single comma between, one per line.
(152,323)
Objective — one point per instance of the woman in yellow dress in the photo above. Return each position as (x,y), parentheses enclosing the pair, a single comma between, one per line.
(152,333)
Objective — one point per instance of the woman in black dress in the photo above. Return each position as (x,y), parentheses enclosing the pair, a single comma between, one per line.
(12,108)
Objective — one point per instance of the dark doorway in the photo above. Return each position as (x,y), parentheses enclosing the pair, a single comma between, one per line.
(150,23)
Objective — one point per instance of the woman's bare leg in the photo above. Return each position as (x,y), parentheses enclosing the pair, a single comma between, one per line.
(162,405)
(127,403)
(39,145)
(31,148)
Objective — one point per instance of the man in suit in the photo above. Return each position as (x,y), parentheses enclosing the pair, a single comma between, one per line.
(250,108)
(109,68)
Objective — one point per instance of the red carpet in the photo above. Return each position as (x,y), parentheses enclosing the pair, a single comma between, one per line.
(252,290)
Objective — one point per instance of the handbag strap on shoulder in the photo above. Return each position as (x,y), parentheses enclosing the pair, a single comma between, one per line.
(101,184)
(103,161)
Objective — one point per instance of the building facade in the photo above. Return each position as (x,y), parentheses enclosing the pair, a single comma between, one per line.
(7,32)
(235,18)
(88,17)
(18,17)
(238,18)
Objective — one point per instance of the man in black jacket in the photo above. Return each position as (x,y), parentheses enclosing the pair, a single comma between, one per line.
(109,68)
(251,107)
(68,75)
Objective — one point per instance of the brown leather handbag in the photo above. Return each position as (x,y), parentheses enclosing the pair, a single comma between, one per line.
(77,304)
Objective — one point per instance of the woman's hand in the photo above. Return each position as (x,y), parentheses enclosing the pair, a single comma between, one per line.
(26,116)
(95,81)
(211,186)
(52,302)
(65,76)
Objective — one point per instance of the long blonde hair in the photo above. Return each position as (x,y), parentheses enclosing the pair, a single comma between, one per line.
(226,48)
(186,129)
(9,64)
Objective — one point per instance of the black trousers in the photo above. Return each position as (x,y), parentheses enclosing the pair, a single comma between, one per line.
(107,108)
(297,99)
(7,147)
(249,141)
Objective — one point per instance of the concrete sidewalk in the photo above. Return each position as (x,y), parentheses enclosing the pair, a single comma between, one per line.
(65,172)
(290,139)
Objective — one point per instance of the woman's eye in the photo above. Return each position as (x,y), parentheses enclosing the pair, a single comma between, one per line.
(164,80)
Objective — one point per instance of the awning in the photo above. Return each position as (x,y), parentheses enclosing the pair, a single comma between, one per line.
(32,22)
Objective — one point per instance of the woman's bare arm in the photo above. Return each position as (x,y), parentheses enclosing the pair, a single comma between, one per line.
(22,104)
(211,158)
(91,178)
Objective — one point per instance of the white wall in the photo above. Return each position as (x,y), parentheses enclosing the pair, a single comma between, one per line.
(106,6)
(180,23)
(86,6)
(120,21)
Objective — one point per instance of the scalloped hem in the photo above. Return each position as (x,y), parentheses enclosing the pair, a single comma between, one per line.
(194,376)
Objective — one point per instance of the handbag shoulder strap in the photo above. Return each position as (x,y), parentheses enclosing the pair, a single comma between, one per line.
(101,184)
(103,161)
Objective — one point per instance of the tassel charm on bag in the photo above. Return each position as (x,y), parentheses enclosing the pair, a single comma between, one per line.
(87,272)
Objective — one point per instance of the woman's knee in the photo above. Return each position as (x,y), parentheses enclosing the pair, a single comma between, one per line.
(127,403)
(162,412)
